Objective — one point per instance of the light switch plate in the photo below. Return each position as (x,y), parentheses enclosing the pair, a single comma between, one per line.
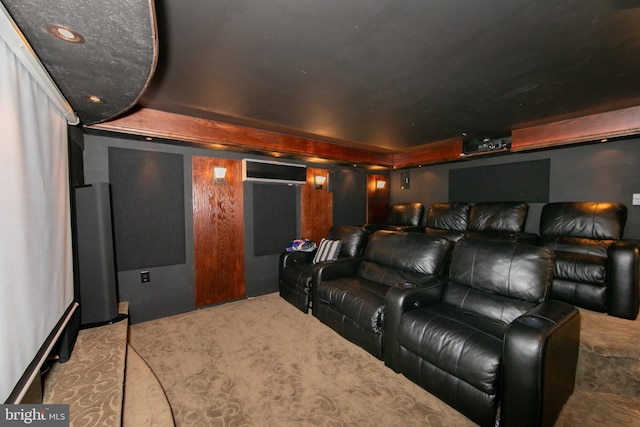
(636,199)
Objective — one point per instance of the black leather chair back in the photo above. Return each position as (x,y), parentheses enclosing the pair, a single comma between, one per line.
(354,239)
(448,220)
(406,214)
(499,280)
(509,217)
(587,220)
(394,257)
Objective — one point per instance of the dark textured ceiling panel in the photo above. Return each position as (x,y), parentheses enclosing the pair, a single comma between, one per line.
(391,74)
(115,61)
(396,73)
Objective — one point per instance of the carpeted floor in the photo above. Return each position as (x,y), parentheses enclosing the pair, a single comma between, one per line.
(261,362)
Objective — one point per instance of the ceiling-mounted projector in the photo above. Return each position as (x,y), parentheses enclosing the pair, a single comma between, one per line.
(485,145)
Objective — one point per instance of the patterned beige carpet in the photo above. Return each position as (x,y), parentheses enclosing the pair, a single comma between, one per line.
(261,362)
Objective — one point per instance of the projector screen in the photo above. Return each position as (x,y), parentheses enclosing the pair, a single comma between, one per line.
(36,275)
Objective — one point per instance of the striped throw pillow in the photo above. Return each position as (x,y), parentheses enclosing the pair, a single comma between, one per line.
(327,251)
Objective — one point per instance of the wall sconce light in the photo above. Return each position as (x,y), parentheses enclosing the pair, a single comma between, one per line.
(219,175)
(319,181)
(405,180)
(380,184)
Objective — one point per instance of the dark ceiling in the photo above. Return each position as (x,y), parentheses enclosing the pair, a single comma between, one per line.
(389,74)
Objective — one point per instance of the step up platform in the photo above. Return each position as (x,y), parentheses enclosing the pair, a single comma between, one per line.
(106,383)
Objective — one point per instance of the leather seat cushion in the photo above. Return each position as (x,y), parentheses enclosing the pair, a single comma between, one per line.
(576,244)
(580,268)
(586,295)
(360,300)
(463,344)
(389,276)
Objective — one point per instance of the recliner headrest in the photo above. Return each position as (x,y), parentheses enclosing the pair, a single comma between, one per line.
(498,216)
(353,239)
(588,220)
(410,214)
(448,216)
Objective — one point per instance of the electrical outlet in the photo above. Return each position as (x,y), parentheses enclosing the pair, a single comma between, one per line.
(635,200)
(145,277)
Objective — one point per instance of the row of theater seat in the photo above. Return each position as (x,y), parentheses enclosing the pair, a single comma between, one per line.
(468,317)
(595,267)
(482,337)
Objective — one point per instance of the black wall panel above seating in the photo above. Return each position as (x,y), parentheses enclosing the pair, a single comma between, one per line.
(522,181)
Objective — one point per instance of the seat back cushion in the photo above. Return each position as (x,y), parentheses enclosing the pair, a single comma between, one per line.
(586,220)
(498,216)
(353,239)
(500,280)
(409,254)
(448,216)
(406,214)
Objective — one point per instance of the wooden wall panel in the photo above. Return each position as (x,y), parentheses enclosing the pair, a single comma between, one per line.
(218,232)
(377,200)
(316,213)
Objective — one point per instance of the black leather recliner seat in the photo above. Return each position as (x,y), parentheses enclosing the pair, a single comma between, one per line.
(594,268)
(349,296)
(402,217)
(486,341)
(295,268)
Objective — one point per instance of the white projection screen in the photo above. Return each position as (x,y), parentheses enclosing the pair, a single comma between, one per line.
(36,275)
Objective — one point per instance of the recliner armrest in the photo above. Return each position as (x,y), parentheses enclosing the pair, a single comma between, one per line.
(372,228)
(539,360)
(399,299)
(344,267)
(299,257)
(623,283)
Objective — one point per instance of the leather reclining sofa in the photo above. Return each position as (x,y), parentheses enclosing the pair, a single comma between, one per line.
(349,296)
(482,338)
(595,267)
(295,268)
(475,313)
(486,337)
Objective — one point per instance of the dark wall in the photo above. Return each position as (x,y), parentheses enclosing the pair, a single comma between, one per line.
(593,172)
(349,197)
(171,289)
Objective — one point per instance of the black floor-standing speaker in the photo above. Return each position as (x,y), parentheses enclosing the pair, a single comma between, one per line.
(96,260)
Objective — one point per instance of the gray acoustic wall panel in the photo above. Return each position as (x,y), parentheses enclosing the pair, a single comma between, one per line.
(148,208)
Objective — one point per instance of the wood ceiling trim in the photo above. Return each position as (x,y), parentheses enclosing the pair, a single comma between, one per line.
(159,124)
(220,135)
(594,127)
(447,150)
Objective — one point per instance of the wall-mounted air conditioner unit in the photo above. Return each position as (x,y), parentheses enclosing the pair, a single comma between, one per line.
(273,172)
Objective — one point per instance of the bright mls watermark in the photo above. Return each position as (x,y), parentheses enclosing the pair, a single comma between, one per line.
(34,415)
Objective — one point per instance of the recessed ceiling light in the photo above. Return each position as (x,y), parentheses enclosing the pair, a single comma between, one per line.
(95,99)
(66,34)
